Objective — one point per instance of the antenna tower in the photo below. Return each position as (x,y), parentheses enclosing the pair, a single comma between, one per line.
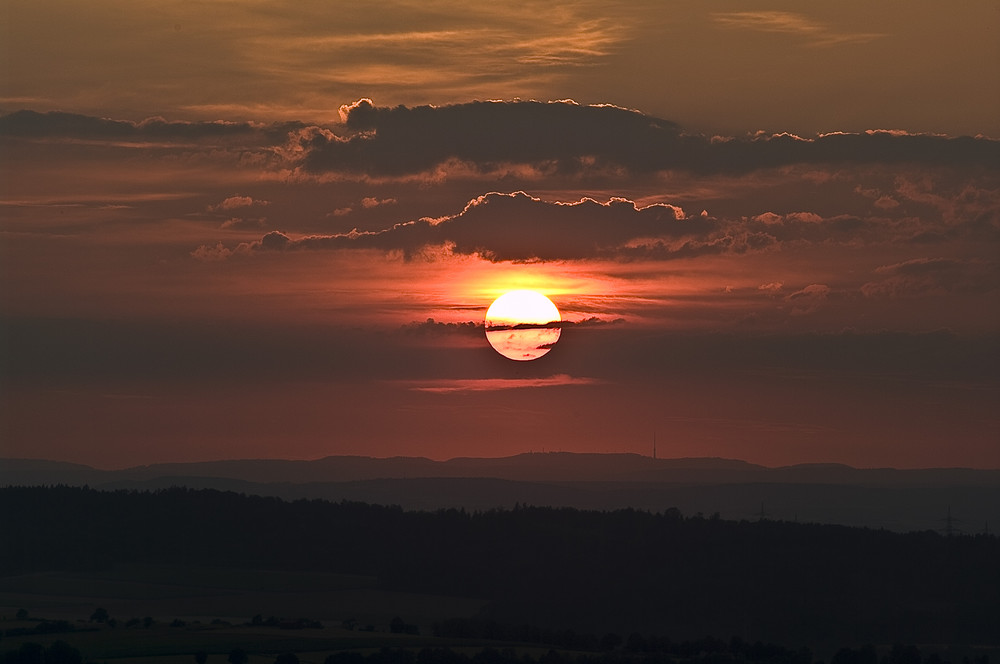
(950,529)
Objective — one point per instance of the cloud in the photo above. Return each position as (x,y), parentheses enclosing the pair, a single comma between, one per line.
(241,223)
(393,141)
(809,227)
(212,253)
(237,201)
(431,327)
(518,227)
(371,202)
(934,276)
(57,124)
(522,228)
(809,299)
(813,32)
(447,386)
(366,203)
(771,219)
(527,139)
(569,138)
(51,348)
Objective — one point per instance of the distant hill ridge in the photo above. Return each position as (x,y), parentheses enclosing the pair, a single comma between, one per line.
(531,467)
(899,500)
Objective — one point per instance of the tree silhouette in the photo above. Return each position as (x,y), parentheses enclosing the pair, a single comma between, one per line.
(100,615)
(201,657)
(61,652)
(555,569)
(610,641)
(904,654)
(237,656)
(28,653)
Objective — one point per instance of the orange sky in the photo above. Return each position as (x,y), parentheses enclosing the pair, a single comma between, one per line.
(238,230)
(727,66)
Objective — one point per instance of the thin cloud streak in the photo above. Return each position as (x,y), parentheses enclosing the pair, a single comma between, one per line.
(789,23)
(497,384)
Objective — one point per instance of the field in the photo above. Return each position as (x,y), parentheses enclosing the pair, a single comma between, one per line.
(216,606)
(177,572)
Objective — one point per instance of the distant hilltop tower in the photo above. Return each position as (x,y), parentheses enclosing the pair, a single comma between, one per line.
(949,524)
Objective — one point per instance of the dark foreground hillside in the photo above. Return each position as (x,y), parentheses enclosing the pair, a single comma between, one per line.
(621,572)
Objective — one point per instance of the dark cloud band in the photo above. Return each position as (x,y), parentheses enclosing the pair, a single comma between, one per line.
(518,227)
(569,138)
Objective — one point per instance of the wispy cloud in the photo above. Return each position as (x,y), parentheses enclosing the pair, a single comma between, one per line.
(495,384)
(503,52)
(788,23)
(927,276)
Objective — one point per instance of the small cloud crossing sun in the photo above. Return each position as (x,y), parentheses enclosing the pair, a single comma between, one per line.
(522,325)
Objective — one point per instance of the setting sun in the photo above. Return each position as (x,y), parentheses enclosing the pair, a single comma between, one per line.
(517,325)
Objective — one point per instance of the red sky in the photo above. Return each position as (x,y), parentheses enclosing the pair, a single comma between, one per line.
(257,229)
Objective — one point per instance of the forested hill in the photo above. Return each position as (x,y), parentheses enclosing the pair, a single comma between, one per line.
(902,500)
(623,571)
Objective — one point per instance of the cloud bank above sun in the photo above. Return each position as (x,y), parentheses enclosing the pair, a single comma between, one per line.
(913,215)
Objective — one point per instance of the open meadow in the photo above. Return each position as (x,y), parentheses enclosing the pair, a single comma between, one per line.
(213,610)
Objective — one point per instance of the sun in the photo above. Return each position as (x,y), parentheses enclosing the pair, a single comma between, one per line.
(522,325)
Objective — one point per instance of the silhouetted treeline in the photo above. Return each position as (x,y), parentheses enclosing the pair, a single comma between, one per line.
(44,627)
(592,572)
(702,651)
(59,652)
(635,643)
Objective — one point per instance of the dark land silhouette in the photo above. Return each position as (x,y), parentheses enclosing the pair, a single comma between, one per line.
(900,500)
(585,580)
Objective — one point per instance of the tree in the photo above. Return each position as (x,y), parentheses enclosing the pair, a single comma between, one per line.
(29,653)
(901,654)
(100,615)
(201,657)
(610,641)
(22,614)
(636,642)
(287,658)
(237,656)
(61,652)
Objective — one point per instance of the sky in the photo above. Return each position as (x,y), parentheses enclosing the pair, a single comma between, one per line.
(266,229)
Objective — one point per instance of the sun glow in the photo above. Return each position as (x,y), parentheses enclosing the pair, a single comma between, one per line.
(521,325)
